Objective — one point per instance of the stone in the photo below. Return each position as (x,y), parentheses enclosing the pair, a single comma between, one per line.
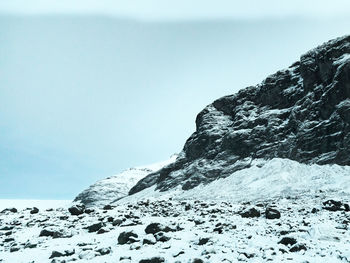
(104,251)
(127,237)
(35,210)
(288,241)
(153,260)
(95,227)
(250,213)
(160,236)
(154,228)
(271,213)
(76,210)
(149,240)
(297,248)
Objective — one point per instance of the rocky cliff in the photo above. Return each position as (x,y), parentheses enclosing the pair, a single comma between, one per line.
(301,113)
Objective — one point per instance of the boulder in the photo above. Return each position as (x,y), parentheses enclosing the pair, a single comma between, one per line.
(127,237)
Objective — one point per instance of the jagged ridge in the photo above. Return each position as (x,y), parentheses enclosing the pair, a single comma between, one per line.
(301,113)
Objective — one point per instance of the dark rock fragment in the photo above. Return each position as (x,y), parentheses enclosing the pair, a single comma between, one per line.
(288,241)
(271,213)
(76,210)
(153,260)
(250,213)
(127,237)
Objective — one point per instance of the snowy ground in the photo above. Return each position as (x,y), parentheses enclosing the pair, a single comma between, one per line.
(41,204)
(206,224)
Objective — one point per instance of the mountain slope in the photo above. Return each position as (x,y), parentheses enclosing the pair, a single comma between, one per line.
(300,113)
(115,187)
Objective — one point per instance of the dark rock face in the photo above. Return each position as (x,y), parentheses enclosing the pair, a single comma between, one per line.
(301,113)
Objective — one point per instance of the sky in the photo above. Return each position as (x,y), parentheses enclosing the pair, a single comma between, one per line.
(90,88)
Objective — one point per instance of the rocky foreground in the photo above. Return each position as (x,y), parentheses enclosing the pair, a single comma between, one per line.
(281,230)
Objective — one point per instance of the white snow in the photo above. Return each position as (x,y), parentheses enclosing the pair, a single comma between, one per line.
(264,180)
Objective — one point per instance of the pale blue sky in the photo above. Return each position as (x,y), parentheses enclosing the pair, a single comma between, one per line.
(88,92)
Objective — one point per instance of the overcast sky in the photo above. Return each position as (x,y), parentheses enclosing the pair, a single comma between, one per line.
(183,9)
(83,97)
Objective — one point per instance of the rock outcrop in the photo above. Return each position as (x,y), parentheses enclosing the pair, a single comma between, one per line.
(301,113)
(115,187)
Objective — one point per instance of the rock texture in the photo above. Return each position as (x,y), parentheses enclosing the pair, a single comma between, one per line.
(301,113)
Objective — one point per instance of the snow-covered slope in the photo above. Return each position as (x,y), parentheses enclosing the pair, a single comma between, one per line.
(115,187)
(263,180)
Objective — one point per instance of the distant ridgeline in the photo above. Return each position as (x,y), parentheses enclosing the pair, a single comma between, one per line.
(300,113)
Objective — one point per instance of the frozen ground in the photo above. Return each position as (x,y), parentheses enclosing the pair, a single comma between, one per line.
(301,214)
(41,204)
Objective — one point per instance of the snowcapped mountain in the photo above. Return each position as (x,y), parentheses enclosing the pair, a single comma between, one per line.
(301,113)
(117,186)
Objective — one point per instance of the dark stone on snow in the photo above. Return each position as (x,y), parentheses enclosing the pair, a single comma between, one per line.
(12,210)
(203,241)
(14,249)
(288,241)
(66,253)
(95,227)
(10,239)
(108,207)
(157,227)
(127,237)
(50,233)
(297,248)
(160,236)
(104,251)
(301,113)
(332,205)
(35,210)
(102,231)
(250,213)
(153,260)
(76,210)
(117,222)
(271,213)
